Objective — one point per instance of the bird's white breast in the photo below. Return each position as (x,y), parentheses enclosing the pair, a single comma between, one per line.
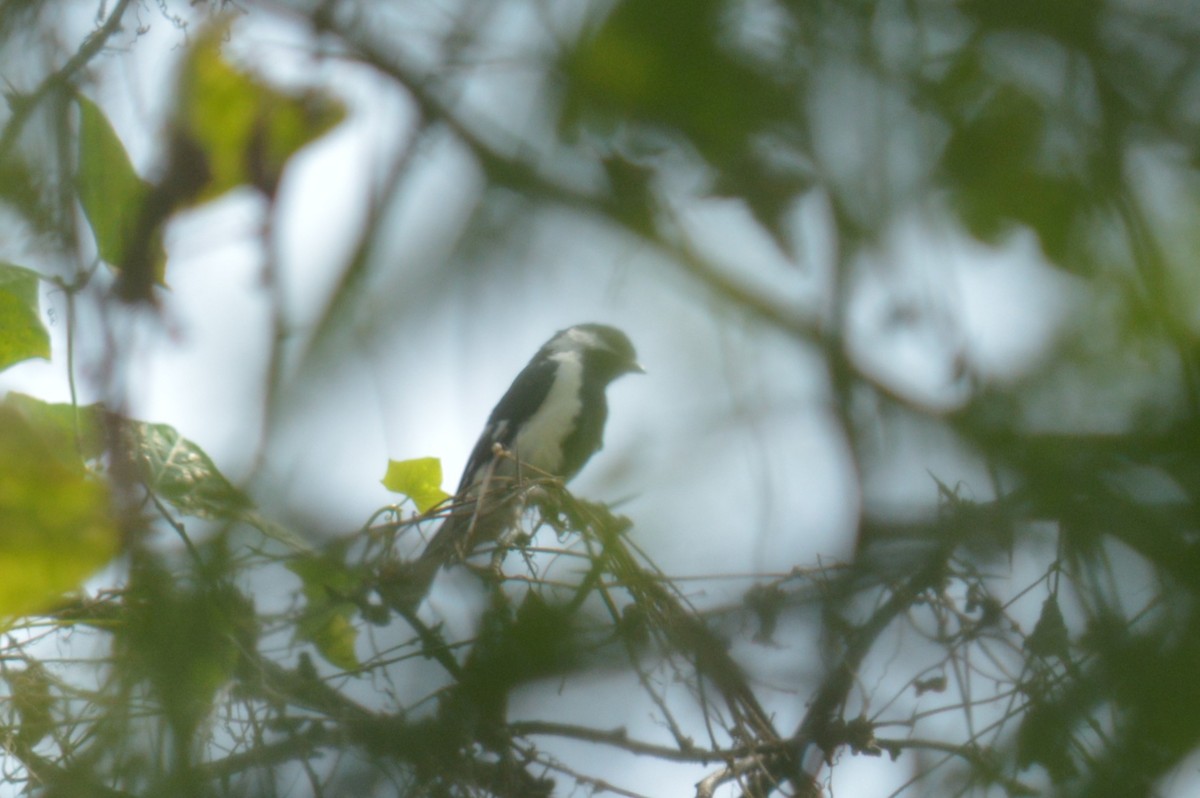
(539,443)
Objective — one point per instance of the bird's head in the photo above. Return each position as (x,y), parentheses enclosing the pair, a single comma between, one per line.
(606,351)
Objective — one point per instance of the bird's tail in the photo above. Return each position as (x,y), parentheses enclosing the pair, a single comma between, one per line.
(468,525)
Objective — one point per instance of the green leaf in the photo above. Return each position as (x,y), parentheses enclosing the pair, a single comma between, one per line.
(185,633)
(420,479)
(330,630)
(1050,637)
(22,334)
(179,471)
(56,527)
(666,63)
(73,434)
(174,468)
(112,194)
(326,622)
(246,129)
(995,163)
(22,191)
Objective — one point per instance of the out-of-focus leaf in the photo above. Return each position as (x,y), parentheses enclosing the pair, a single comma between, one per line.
(537,641)
(631,189)
(330,630)
(420,479)
(55,522)
(1071,21)
(22,334)
(245,129)
(1045,738)
(20,191)
(326,622)
(228,130)
(112,194)
(1049,637)
(766,602)
(185,635)
(175,468)
(180,472)
(663,63)
(995,165)
(73,434)
(513,648)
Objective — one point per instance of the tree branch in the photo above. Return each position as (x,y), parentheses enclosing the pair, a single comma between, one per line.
(24,105)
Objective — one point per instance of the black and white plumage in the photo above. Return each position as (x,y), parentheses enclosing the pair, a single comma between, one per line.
(552,416)
(549,423)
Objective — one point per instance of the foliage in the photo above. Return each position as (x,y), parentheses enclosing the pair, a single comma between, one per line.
(419,479)
(1034,631)
(23,335)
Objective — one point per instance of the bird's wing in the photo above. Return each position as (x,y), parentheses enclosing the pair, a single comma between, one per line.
(520,401)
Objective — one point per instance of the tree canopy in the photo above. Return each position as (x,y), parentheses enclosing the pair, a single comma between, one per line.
(950,247)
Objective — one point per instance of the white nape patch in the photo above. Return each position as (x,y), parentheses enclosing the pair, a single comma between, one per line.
(539,443)
(576,339)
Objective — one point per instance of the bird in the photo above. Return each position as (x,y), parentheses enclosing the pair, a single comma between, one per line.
(548,424)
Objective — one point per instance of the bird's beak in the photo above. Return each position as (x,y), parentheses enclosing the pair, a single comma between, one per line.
(635,368)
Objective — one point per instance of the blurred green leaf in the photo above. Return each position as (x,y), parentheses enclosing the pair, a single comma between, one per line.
(175,468)
(72,434)
(329,628)
(180,472)
(514,648)
(22,334)
(420,479)
(996,164)
(185,634)
(1072,21)
(112,194)
(21,192)
(1045,737)
(56,527)
(326,622)
(663,63)
(324,575)
(245,129)
(631,188)
(1049,637)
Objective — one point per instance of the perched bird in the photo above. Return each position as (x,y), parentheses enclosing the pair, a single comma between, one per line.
(548,424)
